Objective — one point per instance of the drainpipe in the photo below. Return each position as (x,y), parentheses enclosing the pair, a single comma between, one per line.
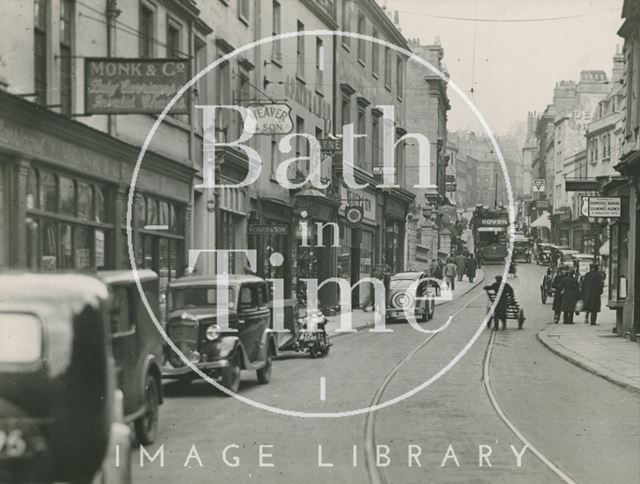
(112,13)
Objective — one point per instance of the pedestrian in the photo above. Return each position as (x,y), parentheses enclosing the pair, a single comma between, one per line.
(461,265)
(471,267)
(559,276)
(433,269)
(570,292)
(439,270)
(590,293)
(500,313)
(450,274)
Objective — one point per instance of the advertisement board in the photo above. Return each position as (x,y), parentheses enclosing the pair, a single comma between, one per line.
(134,86)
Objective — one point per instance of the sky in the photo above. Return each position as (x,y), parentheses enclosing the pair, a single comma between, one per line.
(512,64)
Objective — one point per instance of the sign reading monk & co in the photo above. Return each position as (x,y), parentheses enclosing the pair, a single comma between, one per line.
(134,86)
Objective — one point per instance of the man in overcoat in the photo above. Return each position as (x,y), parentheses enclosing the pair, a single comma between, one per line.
(592,286)
(570,291)
(471,267)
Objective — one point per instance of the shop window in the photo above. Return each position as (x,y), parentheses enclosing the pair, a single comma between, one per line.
(101,209)
(276,27)
(100,248)
(65,247)
(67,196)
(152,211)
(49,193)
(164,213)
(85,201)
(33,199)
(82,245)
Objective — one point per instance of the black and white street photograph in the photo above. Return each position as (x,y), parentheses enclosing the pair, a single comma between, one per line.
(319,241)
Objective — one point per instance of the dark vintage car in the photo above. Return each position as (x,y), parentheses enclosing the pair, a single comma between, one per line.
(400,298)
(521,249)
(544,253)
(193,315)
(60,414)
(137,348)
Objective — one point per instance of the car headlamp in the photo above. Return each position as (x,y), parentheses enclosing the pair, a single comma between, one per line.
(213,332)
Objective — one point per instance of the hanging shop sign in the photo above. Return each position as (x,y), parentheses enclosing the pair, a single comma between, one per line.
(609,207)
(538,185)
(269,119)
(354,214)
(359,198)
(134,86)
(329,146)
(267,229)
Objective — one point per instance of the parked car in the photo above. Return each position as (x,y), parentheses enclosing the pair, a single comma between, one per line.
(398,298)
(137,348)
(60,414)
(192,324)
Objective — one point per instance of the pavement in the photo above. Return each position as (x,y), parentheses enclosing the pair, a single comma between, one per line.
(361,319)
(596,349)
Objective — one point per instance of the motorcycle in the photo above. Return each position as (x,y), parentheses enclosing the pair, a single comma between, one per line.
(308,335)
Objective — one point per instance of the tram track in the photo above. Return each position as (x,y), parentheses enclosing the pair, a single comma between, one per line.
(376,474)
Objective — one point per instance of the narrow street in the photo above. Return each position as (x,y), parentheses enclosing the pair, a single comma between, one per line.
(585,427)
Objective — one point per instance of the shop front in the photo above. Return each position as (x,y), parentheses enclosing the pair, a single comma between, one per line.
(314,255)
(624,263)
(358,257)
(397,203)
(64,189)
(561,226)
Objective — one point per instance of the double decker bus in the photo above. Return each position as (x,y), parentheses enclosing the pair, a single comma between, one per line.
(491,234)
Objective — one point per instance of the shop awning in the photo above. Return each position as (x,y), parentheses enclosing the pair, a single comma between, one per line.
(604,249)
(543,220)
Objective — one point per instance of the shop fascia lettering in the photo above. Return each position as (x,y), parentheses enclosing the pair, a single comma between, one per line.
(314,159)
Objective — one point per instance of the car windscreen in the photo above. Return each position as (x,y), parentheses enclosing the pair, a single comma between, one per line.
(20,338)
(197,297)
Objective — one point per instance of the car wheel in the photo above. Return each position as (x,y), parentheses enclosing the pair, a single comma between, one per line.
(264,373)
(146,426)
(543,295)
(231,375)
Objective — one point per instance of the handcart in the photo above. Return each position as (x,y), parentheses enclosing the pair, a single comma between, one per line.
(514,311)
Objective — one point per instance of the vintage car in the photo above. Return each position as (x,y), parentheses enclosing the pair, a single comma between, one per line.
(137,348)
(566,256)
(521,249)
(399,298)
(544,253)
(193,314)
(60,414)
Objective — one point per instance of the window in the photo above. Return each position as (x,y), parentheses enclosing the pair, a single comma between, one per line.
(300,52)
(346,110)
(361,160)
(244,10)
(399,77)
(375,140)
(275,159)
(200,62)
(400,168)
(301,146)
(49,193)
(85,201)
(387,67)
(40,50)
(362,45)
(147,37)
(66,35)
(223,98)
(120,311)
(346,22)
(276,28)
(375,56)
(319,63)
(246,301)
(173,40)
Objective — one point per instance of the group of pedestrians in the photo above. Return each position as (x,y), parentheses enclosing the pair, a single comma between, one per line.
(455,267)
(573,296)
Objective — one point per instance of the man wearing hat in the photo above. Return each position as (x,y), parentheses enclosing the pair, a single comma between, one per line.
(500,313)
(592,286)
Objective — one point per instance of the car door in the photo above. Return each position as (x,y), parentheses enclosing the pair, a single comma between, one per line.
(253,314)
(123,340)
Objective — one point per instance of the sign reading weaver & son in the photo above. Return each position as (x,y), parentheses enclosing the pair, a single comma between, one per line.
(132,86)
